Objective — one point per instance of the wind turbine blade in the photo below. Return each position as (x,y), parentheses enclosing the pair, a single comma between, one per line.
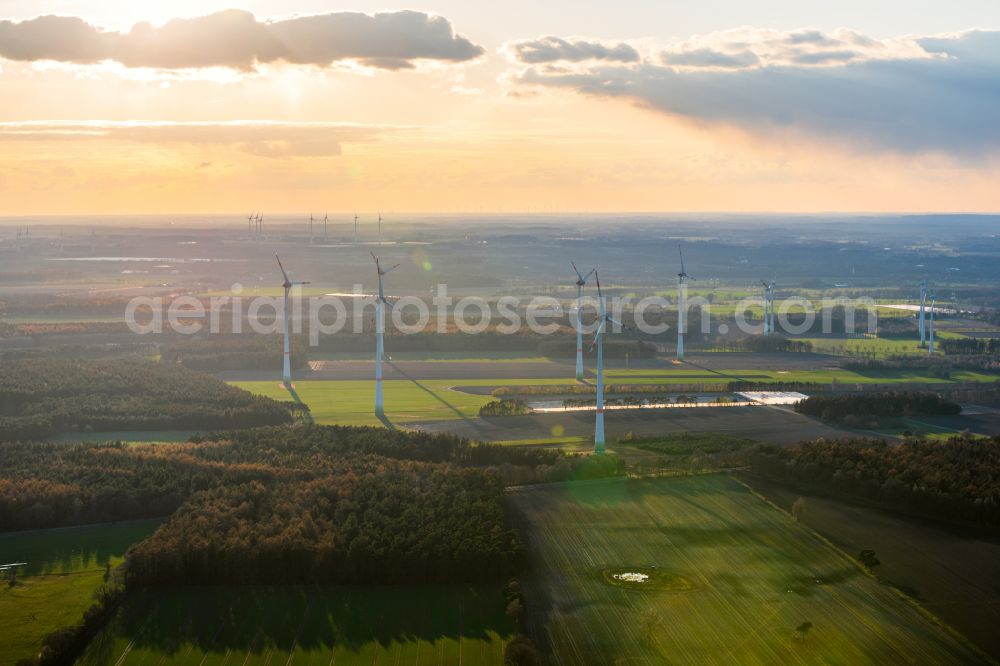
(283,273)
(389,270)
(592,271)
(577,270)
(681,253)
(600,295)
(616,322)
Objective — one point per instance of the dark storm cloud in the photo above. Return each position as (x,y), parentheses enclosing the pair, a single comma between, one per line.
(236,39)
(553,49)
(934,94)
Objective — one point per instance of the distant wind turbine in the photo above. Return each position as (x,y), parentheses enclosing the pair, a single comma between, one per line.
(599,342)
(310,228)
(286,374)
(930,348)
(682,278)
(355,228)
(325,216)
(581,281)
(380,304)
(923,305)
(768,307)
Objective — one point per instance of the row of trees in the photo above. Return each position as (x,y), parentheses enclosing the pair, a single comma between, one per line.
(505,407)
(973,346)
(887,404)
(956,481)
(46,396)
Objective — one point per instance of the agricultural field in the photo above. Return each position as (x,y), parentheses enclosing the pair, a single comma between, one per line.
(943,567)
(351,402)
(374,626)
(65,566)
(732,579)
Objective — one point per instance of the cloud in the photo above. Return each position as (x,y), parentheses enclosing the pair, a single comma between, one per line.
(553,49)
(235,39)
(910,95)
(261,139)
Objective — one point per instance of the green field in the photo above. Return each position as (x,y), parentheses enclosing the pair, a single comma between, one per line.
(445,624)
(756,575)
(351,402)
(65,566)
(694,375)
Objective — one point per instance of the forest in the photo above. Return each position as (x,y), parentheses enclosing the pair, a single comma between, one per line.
(47,396)
(218,353)
(955,481)
(303,504)
(847,408)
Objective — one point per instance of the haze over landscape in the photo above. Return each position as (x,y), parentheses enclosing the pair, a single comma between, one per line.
(197,107)
(499,333)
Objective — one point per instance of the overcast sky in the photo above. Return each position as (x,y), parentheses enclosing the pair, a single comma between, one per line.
(715,105)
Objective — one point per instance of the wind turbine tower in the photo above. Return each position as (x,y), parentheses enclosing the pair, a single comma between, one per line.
(355,228)
(286,374)
(310,228)
(380,304)
(250,223)
(923,305)
(325,217)
(581,282)
(768,307)
(930,348)
(682,278)
(599,342)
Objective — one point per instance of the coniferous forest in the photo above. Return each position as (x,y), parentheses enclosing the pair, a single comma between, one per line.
(44,397)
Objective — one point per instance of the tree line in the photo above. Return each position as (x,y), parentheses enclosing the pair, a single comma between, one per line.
(955,481)
(887,404)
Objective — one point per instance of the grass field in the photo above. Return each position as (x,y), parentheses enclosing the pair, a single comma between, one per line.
(698,376)
(65,566)
(351,402)
(941,566)
(316,625)
(756,575)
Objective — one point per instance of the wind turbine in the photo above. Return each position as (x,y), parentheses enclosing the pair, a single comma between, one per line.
(682,278)
(380,304)
(923,304)
(250,223)
(581,281)
(286,374)
(325,217)
(768,307)
(380,228)
(260,222)
(930,348)
(599,342)
(310,228)
(355,228)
